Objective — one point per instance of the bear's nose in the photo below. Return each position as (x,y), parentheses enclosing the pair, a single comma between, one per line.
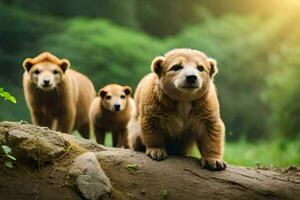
(191,79)
(46,82)
(117,107)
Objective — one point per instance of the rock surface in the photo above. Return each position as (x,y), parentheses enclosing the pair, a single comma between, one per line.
(33,143)
(89,178)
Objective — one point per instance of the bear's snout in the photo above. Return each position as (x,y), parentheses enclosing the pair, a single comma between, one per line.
(46,82)
(191,79)
(117,107)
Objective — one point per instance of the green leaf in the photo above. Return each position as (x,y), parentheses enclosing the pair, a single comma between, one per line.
(6,149)
(9,164)
(132,168)
(6,96)
(11,157)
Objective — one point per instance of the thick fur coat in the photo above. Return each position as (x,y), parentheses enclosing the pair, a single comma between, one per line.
(57,97)
(177,106)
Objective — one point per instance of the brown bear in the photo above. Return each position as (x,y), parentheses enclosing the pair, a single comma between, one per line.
(57,97)
(177,106)
(111,111)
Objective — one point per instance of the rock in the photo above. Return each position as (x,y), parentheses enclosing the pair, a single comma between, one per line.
(89,178)
(84,143)
(32,143)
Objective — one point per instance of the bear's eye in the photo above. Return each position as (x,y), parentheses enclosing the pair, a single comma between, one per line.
(36,71)
(176,67)
(200,68)
(108,97)
(55,72)
(122,96)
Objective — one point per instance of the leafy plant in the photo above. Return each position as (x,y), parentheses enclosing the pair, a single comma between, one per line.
(7,157)
(6,96)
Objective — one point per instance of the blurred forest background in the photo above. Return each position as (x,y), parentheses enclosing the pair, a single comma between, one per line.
(256,44)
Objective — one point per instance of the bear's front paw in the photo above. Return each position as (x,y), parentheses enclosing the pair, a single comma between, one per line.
(156,153)
(213,164)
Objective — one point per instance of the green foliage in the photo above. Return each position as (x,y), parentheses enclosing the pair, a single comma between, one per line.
(7,156)
(276,153)
(160,18)
(20,34)
(282,93)
(119,12)
(105,52)
(6,96)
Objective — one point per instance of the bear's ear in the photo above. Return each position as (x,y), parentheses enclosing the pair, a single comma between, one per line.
(156,65)
(64,65)
(127,90)
(102,93)
(27,64)
(213,67)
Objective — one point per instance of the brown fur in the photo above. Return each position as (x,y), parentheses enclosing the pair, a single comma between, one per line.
(64,105)
(104,117)
(170,118)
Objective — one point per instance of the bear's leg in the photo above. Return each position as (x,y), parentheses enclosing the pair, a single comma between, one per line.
(154,140)
(40,119)
(134,135)
(120,138)
(115,135)
(210,143)
(100,134)
(136,143)
(65,122)
(84,130)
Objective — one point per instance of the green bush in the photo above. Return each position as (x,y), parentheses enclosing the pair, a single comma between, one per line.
(20,33)
(283,88)
(119,12)
(105,52)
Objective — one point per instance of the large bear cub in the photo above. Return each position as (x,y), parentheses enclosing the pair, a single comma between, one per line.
(177,106)
(57,97)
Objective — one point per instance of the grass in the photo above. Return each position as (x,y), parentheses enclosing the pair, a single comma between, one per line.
(272,153)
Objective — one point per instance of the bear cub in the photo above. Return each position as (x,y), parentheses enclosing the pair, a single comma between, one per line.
(177,106)
(111,111)
(57,97)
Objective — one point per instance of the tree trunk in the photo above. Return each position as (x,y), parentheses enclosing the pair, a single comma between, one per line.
(44,158)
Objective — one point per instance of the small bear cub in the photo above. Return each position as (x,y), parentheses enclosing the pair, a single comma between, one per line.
(111,111)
